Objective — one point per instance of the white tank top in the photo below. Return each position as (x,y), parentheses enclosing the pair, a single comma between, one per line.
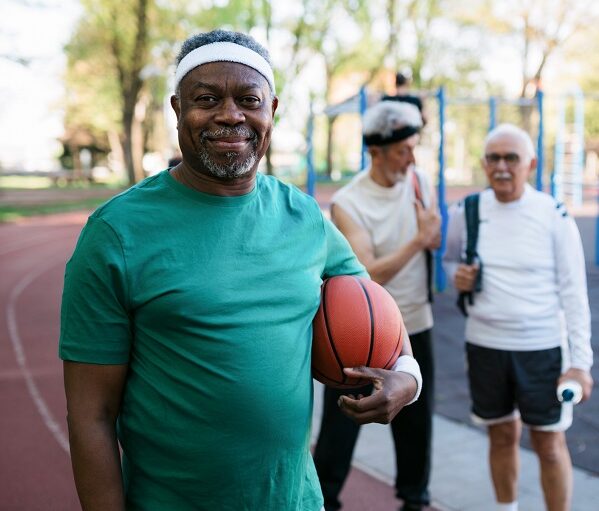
(389,216)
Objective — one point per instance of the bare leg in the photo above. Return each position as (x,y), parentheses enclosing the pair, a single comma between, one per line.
(556,468)
(504,459)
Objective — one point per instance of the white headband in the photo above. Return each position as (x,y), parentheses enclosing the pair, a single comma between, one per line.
(224,52)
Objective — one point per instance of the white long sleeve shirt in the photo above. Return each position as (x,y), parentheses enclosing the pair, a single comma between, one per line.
(533,276)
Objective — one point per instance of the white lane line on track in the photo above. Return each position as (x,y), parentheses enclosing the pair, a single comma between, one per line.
(15,339)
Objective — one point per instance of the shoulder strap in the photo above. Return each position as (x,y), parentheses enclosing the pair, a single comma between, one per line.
(472,221)
(417,187)
(471,212)
(428,254)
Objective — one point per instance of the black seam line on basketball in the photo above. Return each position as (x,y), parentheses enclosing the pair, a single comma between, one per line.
(329,335)
(371,348)
(394,349)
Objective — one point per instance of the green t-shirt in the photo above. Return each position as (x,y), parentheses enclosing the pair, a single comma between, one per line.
(210,301)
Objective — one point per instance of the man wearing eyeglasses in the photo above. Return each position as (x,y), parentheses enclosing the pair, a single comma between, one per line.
(533,285)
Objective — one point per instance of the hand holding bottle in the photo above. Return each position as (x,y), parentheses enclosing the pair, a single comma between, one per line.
(575,385)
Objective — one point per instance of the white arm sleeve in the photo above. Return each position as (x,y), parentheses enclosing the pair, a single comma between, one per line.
(454,241)
(571,279)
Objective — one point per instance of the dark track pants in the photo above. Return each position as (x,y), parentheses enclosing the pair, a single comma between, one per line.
(412,435)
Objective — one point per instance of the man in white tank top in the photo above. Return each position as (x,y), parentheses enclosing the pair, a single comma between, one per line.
(389,215)
(533,284)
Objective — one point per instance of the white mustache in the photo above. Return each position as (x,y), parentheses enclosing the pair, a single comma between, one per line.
(502,175)
(240,131)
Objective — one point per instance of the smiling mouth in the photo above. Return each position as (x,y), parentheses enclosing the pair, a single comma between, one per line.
(228,139)
(229,144)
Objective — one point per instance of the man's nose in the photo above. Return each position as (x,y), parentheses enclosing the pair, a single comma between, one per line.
(502,164)
(412,157)
(229,113)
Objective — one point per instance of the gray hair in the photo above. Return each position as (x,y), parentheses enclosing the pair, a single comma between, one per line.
(387,116)
(221,36)
(514,131)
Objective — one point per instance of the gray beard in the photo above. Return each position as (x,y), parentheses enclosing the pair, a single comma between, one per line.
(229,170)
(232,168)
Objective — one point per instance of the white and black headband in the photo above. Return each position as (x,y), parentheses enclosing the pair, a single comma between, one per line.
(224,52)
(376,139)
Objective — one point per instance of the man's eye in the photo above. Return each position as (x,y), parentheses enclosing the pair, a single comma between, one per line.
(205,98)
(250,101)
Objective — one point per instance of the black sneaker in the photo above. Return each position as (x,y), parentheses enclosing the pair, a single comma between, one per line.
(411,507)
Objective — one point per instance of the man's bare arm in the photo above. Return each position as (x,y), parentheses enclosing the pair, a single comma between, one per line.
(382,269)
(93,401)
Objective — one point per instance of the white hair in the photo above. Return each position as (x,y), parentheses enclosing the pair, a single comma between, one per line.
(515,131)
(387,116)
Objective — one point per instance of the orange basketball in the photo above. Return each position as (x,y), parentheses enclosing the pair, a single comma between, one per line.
(358,323)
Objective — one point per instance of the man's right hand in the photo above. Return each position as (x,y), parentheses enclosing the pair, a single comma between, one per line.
(429,226)
(465,277)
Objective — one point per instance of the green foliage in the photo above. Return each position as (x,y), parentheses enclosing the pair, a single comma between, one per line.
(353,42)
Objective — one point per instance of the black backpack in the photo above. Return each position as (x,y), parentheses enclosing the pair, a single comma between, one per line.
(472,222)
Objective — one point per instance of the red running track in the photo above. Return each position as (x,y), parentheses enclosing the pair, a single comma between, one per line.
(35,470)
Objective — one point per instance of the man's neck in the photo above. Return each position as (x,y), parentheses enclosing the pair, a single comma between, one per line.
(212,185)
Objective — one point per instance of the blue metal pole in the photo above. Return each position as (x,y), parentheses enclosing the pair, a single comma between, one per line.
(440,277)
(311,177)
(363,106)
(492,112)
(540,147)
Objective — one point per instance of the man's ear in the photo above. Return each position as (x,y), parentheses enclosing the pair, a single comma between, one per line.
(375,152)
(533,164)
(176,106)
(275,104)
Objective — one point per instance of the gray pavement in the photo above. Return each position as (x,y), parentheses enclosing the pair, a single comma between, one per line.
(460,475)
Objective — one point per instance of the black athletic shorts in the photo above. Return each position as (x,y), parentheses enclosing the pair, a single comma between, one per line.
(505,384)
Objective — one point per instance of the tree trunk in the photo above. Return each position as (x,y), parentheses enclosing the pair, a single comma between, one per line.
(128,146)
(117,158)
(131,83)
(77,167)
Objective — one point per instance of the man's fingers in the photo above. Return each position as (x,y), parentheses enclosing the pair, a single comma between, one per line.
(365,410)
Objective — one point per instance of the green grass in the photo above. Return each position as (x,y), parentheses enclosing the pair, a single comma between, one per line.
(25,182)
(41,182)
(10,213)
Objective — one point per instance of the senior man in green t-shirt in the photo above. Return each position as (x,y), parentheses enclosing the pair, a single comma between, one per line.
(187,310)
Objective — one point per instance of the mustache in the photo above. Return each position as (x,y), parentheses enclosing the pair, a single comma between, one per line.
(238,131)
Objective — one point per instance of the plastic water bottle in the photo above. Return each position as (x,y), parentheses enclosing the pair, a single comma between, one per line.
(569,391)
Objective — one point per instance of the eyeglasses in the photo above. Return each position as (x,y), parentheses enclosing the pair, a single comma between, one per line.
(511,159)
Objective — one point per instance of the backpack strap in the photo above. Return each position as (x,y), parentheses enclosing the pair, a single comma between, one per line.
(427,253)
(471,212)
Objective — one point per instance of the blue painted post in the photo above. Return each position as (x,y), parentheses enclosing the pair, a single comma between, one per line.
(540,147)
(311,177)
(440,277)
(363,106)
(492,112)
